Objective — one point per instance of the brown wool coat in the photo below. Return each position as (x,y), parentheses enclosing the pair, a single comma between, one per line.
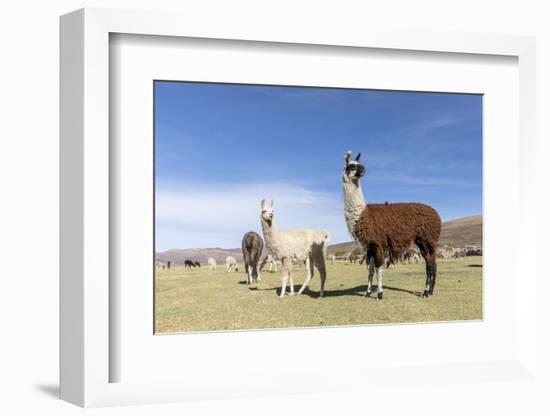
(390,228)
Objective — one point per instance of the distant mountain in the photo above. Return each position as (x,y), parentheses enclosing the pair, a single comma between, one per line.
(457,233)
(341,249)
(467,231)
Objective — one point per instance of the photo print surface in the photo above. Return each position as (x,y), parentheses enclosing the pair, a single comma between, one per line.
(293,207)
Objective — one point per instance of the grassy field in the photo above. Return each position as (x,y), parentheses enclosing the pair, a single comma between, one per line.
(200,300)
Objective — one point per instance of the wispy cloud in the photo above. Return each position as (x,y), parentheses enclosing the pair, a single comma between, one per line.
(419,130)
(196,215)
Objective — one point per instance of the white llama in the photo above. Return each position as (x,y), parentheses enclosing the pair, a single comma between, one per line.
(231,264)
(332,258)
(271,261)
(295,245)
(211,263)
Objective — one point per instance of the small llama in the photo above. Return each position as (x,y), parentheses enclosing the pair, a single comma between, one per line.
(231,264)
(252,246)
(211,264)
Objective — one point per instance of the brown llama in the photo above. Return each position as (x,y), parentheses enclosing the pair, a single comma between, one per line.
(388,228)
(252,246)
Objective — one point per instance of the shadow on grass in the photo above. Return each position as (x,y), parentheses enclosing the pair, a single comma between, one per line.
(358,291)
(475,265)
(244,282)
(354,291)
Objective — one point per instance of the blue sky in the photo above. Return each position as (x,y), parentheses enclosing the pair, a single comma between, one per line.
(221,148)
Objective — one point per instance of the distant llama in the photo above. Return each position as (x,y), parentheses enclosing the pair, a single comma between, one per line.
(231,264)
(474,251)
(446,252)
(252,246)
(388,228)
(332,258)
(411,256)
(352,257)
(197,264)
(295,245)
(188,263)
(271,261)
(211,263)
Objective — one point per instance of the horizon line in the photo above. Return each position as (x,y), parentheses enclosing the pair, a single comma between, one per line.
(333,244)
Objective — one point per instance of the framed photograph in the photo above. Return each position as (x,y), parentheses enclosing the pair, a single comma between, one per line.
(244,214)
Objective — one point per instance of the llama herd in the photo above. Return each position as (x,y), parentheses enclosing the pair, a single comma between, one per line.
(384,231)
(387,233)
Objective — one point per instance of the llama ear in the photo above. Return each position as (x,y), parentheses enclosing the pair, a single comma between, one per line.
(271,204)
(262,204)
(346,157)
(357,157)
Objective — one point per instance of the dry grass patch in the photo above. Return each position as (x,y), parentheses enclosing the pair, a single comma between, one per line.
(200,300)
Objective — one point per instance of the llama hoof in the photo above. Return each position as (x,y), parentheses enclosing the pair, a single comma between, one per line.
(380,295)
(425,294)
(291,294)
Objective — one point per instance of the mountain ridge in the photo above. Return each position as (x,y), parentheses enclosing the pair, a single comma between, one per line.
(457,232)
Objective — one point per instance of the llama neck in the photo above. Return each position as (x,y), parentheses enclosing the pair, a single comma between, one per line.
(354,203)
(270,235)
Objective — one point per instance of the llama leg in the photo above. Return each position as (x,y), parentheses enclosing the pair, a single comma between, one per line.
(309,275)
(290,268)
(318,259)
(323,277)
(291,278)
(427,289)
(379,275)
(430,276)
(433,272)
(285,282)
(285,271)
(322,267)
(371,274)
(433,278)
(424,251)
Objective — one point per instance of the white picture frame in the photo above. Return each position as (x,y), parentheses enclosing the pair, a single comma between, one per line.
(86,356)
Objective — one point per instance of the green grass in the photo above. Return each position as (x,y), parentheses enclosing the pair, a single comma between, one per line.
(200,300)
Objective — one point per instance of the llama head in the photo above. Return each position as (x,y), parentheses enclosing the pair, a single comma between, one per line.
(267,211)
(353,170)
